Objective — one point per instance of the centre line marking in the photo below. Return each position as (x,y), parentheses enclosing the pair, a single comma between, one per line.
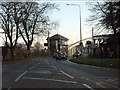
(50,80)
(54,67)
(88,86)
(21,76)
(34,66)
(31,68)
(66,74)
(47,62)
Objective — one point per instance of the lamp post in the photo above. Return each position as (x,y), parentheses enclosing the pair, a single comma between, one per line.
(79,25)
(49,44)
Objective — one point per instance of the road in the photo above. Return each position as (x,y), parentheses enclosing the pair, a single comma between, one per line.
(51,73)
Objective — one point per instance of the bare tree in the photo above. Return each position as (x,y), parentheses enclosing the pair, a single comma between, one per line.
(105,16)
(25,19)
(9,23)
(35,20)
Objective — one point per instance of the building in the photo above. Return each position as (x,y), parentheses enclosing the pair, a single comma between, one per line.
(57,42)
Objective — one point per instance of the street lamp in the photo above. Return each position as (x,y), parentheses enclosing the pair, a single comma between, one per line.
(80,24)
(49,43)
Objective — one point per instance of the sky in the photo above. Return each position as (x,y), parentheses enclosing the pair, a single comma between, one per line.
(69,21)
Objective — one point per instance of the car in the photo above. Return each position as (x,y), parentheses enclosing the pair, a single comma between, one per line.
(61,56)
(76,54)
(55,54)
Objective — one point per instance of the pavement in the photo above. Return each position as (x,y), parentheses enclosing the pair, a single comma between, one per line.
(51,73)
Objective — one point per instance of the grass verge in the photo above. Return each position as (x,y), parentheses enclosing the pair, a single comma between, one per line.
(106,62)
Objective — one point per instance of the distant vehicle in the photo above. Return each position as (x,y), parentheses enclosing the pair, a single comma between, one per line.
(76,54)
(60,56)
(55,54)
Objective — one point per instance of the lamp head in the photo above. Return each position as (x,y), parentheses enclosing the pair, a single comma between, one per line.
(67,4)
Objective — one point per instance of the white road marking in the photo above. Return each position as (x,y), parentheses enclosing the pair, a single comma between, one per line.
(88,86)
(94,66)
(37,64)
(21,76)
(90,80)
(47,62)
(34,66)
(66,74)
(110,85)
(51,80)
(71,62)
(100,85)
(112,81)
(54,67)
(103,82)
(85,65)
(9,88)
(51,65)
(31,68)
(91,66)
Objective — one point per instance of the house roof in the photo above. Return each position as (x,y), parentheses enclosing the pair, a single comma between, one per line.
(58,37)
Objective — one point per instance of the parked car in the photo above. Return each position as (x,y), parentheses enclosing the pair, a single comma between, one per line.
(77,54)
(61,56)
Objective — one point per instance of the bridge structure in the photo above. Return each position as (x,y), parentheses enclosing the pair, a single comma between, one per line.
(96,40)
(72,48)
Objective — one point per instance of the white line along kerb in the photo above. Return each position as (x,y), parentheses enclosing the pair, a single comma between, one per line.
(21,76)
(66,74)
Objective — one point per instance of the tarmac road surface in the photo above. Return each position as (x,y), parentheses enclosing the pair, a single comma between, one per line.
(51,73)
